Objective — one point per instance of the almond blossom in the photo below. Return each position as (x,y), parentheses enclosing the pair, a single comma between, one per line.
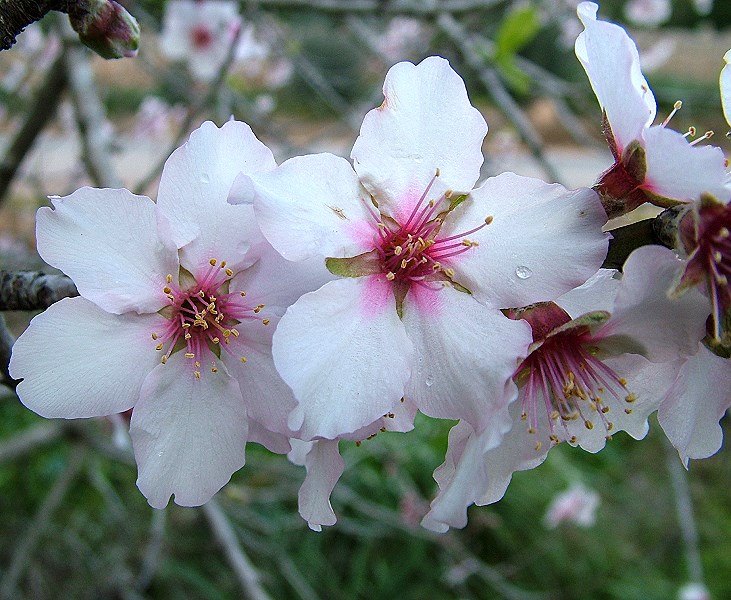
(576,505)
(425,264)
(587,376)
(651,163)
(725,83)
(178,302)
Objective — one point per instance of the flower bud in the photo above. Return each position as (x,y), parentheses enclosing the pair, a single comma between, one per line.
(106,27)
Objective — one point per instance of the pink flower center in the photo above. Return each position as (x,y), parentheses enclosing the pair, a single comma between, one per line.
(202,318)
(201,36)
(412,252)
(564,378)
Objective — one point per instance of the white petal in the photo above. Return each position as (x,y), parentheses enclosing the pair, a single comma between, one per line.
(277,282)
(314,205)
(107,242)
(612,64)
(643,310)
(345,354)
(543,241)
(693,406)
(77,360)
(267,398)
(725,81)
(192,199)
(466,355)
(188,434)
(180,17)
(274,442)
(324,467)
(425,123)
(598,293)
(670,158)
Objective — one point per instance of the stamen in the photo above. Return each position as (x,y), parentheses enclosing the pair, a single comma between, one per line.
(705,136)
(676,107)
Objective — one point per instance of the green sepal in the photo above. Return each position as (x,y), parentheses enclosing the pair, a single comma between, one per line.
(368,263)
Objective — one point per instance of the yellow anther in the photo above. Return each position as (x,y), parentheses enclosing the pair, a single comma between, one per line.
(223,264)
(215,340)
(265,321)
(572,439)
(398,250)
(718,257)
(628,411)
(189,355)
(243,359)
(166,290)
(229,272)
(258,308)
(185,325)
(390,276)
(588,424)
(214,370)
(197,374)
(531,430)
(610,425)
(158,347)
(449,272)
(201,293)
(197,363)
(623,381)
(169,278)
(523,416)
(226,333)
(164,359)
(213,262)
(242,294)
(437,173)
(605,409)
(538,446)
(187,335)
(724,233)
(404,262)
(630,398)
(154,336)
(448,194)
(235,332)
(489,219)
(170,297)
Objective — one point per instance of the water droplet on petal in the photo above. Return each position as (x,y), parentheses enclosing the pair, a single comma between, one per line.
(205,178)
(523,272)
(429,381)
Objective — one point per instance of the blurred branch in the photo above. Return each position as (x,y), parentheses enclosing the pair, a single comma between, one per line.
(39,114)
(684,508)
(90,118)
(192,114)
(494,86)
(226,536)
(30,439)
(6,347)
(151,560)
(25,546)
(413,7)
(32,290)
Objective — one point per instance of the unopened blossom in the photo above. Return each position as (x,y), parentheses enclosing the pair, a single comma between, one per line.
(425,264)
(649,13)
(200,32)
(178,302)
(652,163)
(584,379)
(576,505)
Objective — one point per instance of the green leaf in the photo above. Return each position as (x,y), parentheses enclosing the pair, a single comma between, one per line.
(368,263)
(518,29)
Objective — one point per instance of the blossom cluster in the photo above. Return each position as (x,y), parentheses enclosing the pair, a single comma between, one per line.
(323,300)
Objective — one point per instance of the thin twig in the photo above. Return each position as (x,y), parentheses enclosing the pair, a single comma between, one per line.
(29,439)
(247,575)
(39,114)
(494,86)
(151,559)
(413,7)
(27,544)
(192,115)
(32,290)
(684,509)
(90,117)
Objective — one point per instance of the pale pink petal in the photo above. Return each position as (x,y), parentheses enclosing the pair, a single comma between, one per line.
(267,398)
(278,283)
(274,442)
(400,419)
(693,406)
(188,434)
(345,354)
(725,81)
(77,360)
(192,199)
(324,467)
(598,293)
(107,242)
(612,64)
(543,240)
(425,123)
(466,355)
(314,205)
(670,158)
(180,17)
(643,311)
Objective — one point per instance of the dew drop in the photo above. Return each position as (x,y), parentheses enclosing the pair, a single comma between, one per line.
(429,381)
(523,272)
(205,178)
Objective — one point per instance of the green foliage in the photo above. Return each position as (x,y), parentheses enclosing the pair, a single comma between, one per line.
(519,27)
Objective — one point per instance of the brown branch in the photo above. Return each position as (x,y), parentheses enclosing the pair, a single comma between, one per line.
(32,290)
(41,111)
(16,15)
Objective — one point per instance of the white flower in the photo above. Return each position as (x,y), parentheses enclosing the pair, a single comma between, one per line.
(425,269)
(585,379)
(171,321)
(575,505)
(725,82)
(200,33)
(648,12)
(652,163)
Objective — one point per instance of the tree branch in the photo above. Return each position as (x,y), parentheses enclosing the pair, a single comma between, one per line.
(16,15)
(32,290)
(41,111)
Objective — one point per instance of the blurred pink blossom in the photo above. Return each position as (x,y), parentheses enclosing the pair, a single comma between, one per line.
(576,505)
(649,13)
